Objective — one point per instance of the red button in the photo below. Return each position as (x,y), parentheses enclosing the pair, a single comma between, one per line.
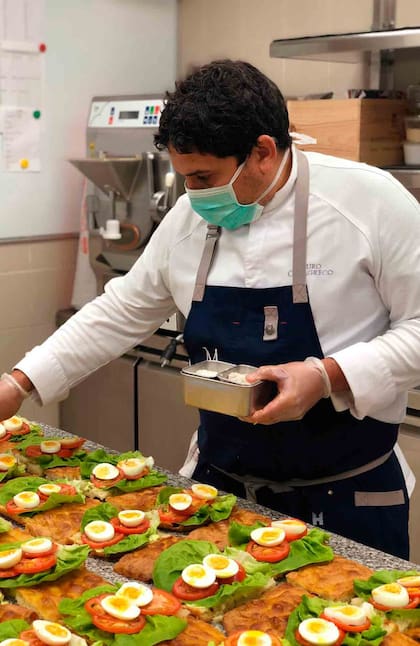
(42,47)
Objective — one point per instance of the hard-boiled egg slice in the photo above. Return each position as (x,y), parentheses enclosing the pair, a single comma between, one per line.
(268,536)
(132,466)
(223,566)
(27,499)
(391,595)
(131,517)
(13,423)
(254,638)
(318,631)
(137,593)
(7,461)
(105,471)
(204,491)
(37,546)
(180,501)
(9,558)
(120,607)
(14,642)
(3,432)
(412,581)
(51,633)
(198,576)
(347,614)
(100,531)
(293,527)
(49,488)
(50,446)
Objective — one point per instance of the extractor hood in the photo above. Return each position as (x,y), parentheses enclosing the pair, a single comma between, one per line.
(350,48)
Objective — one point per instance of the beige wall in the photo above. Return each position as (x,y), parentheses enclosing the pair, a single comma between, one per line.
(244,29)
(36,280)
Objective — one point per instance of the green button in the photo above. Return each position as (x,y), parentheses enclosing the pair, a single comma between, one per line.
(36,114)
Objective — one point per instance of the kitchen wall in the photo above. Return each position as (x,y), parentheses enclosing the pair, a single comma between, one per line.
(243,29)
(93,47)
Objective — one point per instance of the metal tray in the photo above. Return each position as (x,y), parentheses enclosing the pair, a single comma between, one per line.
(219,394)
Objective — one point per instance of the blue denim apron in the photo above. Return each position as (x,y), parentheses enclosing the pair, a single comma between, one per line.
(329,468)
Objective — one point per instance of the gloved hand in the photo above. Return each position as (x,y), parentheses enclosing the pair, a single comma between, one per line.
(300,386)
(10,400)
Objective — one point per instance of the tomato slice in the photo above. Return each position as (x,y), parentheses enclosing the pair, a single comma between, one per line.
(32,566)
(99,545)
(72,442)
(34,451)
(268,554)
(304,642)
(239,576)
(53,550)
(63,453)
(105,484)
(173,517)
(187,592)
(413,592)
(9,573)
(413,604)
(13,509)
(122,529)
(140,475)
(232,640)
(163,603)
(65,490)
(102,620)
(30,637)
(348,628)
(22,431)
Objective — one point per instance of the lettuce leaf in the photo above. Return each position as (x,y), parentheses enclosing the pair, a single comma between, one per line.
(4,525)
(363,589)
(239,535)
(105,512)
(152,479)
(218,509)
(69,557)
(31,483)
(313,607)
(408,618)
(157,629)
(12,628)
(33,437)
(174,559)
(16,471)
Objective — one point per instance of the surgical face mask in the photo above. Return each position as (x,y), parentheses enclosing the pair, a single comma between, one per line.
(219,205)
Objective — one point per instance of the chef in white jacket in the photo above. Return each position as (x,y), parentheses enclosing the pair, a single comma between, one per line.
(303,264)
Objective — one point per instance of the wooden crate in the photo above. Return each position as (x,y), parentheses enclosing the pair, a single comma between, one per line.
(367,130)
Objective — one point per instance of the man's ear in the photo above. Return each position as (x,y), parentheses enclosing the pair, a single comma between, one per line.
(265,152)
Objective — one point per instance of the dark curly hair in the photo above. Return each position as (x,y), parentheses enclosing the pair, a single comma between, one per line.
(222,109)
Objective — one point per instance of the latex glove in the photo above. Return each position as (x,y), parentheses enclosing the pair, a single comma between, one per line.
(300,386)
(10,400)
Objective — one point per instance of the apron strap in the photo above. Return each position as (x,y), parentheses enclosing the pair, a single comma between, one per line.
(300,294)
(252,484)
(213,233)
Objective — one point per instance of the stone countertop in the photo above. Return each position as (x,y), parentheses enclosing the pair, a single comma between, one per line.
(343,546)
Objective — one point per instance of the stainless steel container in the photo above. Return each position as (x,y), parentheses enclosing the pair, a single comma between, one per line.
(220,395)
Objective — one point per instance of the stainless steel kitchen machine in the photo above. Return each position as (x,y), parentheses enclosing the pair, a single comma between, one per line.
(131,187)
(131,184)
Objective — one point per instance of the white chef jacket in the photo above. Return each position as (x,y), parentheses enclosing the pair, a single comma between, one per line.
(363,277)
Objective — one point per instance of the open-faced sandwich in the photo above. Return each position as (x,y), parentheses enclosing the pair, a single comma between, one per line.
(29,495)
(39,454)
(285,545)
(132,613)
(205,580)
(29,562)
(110,473)
(39,632)
(15,429)
(394,593)
(108,531)
(184,509)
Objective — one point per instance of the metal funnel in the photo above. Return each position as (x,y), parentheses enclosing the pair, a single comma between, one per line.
(116,175)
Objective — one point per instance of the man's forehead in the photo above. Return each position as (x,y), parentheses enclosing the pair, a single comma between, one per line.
(197,163)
